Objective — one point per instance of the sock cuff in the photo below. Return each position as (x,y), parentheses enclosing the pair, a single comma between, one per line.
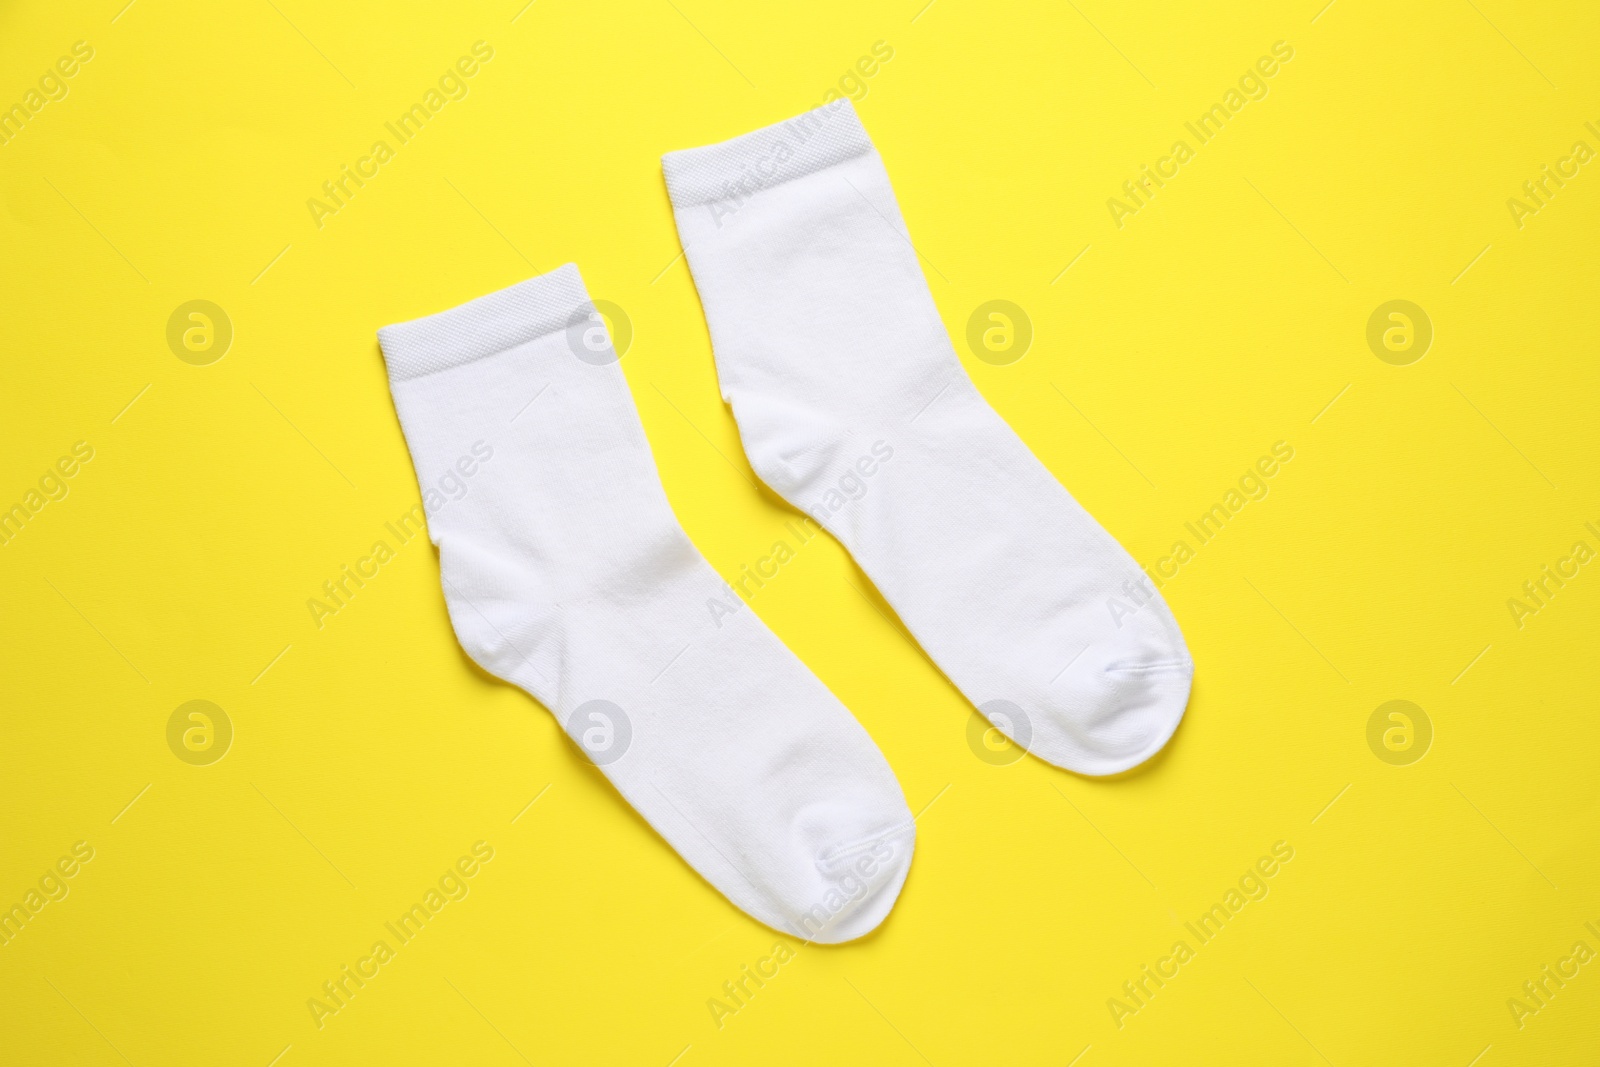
(482,327)
(736,169)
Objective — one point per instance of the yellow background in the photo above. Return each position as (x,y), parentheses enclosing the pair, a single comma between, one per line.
(1223,317)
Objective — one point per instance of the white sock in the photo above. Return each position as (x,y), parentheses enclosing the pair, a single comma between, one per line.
(844,384)
(567,574)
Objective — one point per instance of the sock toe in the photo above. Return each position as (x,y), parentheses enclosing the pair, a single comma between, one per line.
(1105,715)
(854,885)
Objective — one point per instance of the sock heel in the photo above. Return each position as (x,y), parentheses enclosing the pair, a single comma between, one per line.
(790,446)
(495,613)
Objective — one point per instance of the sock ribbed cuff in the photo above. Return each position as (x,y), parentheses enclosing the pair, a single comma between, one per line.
(763,158)
(484,326)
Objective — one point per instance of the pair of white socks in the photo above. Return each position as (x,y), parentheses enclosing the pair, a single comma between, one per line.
(567,574)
